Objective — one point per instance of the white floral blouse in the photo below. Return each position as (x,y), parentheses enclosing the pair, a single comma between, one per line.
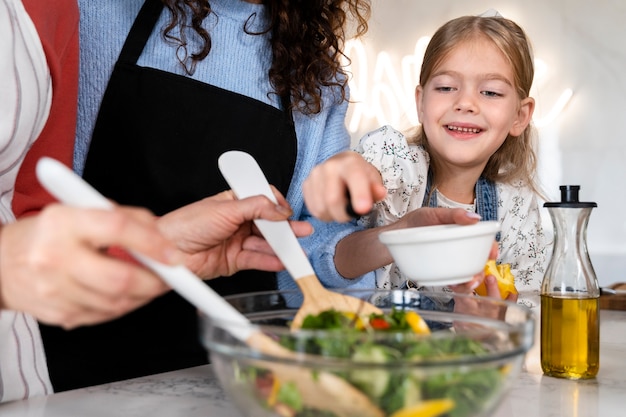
(404,169)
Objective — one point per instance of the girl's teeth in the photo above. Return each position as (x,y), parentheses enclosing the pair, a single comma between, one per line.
(464,129)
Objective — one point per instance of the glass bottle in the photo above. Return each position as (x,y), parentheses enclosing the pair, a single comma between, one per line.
(570,295)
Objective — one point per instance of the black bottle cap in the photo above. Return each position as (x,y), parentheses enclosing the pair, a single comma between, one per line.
(569,198)
(569,193)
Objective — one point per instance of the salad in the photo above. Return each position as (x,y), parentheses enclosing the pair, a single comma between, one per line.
(400,391)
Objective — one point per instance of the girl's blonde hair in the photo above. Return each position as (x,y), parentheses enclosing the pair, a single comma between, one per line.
(516,158)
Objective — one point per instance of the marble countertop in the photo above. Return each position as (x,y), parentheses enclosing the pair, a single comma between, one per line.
(195,392)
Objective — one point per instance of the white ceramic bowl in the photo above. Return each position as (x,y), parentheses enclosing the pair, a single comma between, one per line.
(441,255)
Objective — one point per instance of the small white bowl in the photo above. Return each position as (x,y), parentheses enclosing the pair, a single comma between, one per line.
(441,255)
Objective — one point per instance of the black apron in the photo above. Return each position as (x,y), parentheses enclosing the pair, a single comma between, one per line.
(155,144)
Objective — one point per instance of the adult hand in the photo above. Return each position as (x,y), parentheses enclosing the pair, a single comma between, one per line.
(218,237)
(54,266)
(345,175)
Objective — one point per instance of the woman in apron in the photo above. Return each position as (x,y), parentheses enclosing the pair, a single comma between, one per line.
(158,106)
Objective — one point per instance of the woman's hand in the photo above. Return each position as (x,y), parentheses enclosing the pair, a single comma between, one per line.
(218,237)
(344,178)
(54,265)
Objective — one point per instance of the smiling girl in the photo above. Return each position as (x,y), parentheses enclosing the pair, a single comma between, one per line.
(473,150)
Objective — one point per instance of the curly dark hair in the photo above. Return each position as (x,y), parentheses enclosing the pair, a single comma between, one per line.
(307,38)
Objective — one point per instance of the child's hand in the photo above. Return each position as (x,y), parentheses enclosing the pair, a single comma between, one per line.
(493,290)
(327,188)
(491,283)
(475,306)
(501,277)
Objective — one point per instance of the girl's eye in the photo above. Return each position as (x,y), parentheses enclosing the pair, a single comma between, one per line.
(491,94)
(444,89)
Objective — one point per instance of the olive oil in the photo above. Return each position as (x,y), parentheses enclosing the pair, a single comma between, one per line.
(570,295)
(570,337)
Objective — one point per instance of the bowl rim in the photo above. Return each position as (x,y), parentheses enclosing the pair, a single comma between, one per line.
(524,328)
(437,233)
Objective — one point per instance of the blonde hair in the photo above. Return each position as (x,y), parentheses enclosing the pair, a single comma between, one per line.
(516,158)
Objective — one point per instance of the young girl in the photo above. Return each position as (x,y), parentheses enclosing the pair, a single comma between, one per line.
(473,151)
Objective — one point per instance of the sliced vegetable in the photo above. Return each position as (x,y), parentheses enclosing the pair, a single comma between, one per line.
(400,391)
(379,323)
(417,323)
(429,408)
(289,395)
(329,319)
(271,399)
(356,321)
(374,382)
(506,281)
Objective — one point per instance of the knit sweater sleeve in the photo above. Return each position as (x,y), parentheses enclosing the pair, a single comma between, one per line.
(319,138)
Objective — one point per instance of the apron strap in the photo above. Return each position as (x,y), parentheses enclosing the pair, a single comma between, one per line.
(430,200)
(486,199)
(140,31)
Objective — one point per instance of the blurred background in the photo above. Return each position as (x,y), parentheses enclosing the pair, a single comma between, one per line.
(579,87)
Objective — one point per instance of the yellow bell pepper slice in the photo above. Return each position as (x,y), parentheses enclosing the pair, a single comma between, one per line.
(271,399)
(506,281)
(417,323)
(356,320)
(429,408)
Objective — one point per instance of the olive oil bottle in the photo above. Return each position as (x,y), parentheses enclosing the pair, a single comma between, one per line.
(570,327)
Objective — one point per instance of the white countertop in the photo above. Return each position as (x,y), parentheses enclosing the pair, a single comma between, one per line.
(195,392)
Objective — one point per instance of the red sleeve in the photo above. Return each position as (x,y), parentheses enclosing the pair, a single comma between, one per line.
(58,30)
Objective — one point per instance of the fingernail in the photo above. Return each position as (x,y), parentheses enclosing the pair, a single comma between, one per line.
(283,210)
(473,215)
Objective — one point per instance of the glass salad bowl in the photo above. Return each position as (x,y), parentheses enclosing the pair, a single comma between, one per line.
(429,354)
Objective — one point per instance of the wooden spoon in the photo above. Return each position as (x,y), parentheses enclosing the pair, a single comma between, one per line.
(246,179)
(321,390)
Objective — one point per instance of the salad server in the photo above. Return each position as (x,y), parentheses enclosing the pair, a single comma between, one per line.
(335,393)
(245,177)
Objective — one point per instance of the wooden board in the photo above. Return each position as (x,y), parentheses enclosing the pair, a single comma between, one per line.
(614,302)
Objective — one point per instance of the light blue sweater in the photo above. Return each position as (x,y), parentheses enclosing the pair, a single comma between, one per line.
(238,62)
